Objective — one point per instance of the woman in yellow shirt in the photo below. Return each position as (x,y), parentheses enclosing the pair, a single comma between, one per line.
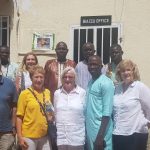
(31,119)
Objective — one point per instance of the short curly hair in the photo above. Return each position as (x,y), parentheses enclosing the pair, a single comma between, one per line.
(36,69)
(127,64)
(66,70)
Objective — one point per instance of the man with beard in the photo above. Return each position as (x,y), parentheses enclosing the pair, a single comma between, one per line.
(99,105)
(54,68)
(9,69)
(116,57)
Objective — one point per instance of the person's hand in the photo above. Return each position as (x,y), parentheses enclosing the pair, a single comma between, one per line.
(23,143)
(50,117)
(99,143)
(14,131)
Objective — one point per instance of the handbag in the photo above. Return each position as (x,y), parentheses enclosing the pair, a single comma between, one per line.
(52,133)
(52,130)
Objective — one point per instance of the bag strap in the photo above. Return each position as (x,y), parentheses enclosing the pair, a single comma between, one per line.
(41,106)
(22,84)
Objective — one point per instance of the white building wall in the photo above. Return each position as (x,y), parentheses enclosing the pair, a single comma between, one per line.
(57,16)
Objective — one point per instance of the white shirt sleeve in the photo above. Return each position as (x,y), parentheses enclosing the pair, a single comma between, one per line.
(144,95)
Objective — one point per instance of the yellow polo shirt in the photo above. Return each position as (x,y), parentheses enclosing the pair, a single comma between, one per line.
(34,123)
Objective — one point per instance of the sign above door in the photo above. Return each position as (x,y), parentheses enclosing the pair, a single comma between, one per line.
(95,20)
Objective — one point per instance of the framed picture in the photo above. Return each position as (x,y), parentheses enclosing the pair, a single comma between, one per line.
(43,41)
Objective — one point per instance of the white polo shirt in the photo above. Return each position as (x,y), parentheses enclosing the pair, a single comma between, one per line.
(69,115)
(131,109)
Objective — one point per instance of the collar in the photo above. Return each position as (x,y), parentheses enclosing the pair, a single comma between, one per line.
(85,62)
(6,65)
(75,90)
(133,84)
(113,66)
(61,62)
(130,86)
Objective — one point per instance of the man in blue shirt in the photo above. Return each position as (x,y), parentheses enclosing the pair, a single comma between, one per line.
(8,101)
(99,107)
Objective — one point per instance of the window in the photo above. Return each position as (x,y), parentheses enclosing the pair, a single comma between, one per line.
(4,30)
(101,36)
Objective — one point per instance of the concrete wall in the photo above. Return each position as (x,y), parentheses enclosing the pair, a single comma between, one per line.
(57,16)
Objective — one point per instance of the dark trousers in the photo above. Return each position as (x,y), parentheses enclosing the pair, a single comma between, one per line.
(136,141)
(54,146)
(69,147)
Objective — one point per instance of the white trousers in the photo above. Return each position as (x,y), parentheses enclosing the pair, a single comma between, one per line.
(38,144)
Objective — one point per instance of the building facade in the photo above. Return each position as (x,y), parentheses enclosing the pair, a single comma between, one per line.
(34,25)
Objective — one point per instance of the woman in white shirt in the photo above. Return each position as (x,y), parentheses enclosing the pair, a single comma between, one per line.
(23,80)
(69,103)
(131,109)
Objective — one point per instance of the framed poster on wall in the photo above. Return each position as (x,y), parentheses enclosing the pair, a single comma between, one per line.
(43,41)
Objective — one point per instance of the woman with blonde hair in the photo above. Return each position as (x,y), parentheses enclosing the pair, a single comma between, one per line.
(131,110)
(34,102)
(23,80)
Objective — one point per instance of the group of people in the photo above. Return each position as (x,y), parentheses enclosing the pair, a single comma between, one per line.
(96,106)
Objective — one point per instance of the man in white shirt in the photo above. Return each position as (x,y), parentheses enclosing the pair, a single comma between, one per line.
(9,69)
(83,75)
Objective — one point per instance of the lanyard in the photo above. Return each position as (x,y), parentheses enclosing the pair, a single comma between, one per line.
(42,107)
